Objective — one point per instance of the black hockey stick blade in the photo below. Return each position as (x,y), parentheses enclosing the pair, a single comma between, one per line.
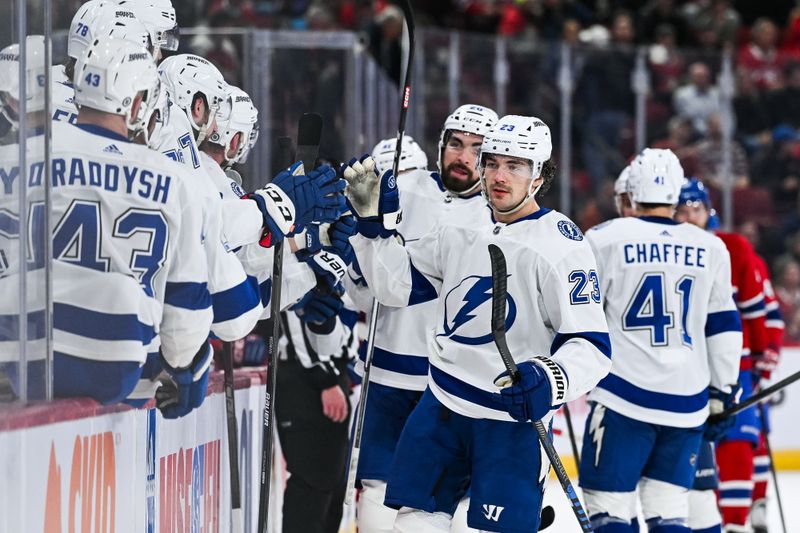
(499,297)
(309,133)
(755,398)
(547,517)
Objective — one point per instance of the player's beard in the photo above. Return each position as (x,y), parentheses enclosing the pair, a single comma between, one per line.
(458,184)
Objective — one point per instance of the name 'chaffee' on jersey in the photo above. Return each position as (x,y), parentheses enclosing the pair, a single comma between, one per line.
(127,245)
(400,357)
(673,321)
(548,313)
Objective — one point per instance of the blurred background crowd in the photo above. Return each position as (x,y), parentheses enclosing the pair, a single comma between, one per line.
(683,43)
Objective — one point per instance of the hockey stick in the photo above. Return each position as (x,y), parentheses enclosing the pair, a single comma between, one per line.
(763,412)
(233,440)
(755,398)
(355,449)
(308,136)
(572,440)
(499,295)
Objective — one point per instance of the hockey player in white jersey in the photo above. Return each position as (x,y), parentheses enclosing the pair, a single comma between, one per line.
(677,339)
(153,21)
(622,197)
(399,373)
(464,432)
(129,264)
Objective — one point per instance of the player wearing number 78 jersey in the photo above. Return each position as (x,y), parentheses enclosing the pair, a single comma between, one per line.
(677,337)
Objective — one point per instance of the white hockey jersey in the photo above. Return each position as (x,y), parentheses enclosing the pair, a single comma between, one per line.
(672,317)
(236,296)
(546,314)
(400,358)
(129,262)
(241,223)
(63,96)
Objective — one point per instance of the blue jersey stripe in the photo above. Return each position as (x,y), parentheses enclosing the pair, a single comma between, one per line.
(673,403)
(265,288)
(100,326)
(774,314)
(465,391)
(422,290)
(236,301)
(722,322)
(187,295)
(599,339)
(409,365)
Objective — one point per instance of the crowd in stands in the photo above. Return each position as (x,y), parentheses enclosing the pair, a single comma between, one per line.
(684,40)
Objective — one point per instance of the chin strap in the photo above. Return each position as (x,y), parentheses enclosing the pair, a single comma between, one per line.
(468,193)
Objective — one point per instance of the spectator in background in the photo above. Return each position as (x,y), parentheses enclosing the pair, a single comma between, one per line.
(760,56)
(784,103)
(605,91)
(679,140)
(709,156)
(666,67)
(752,114)
(385,40)
(718,19)
(698,99)
(657,14)
(787,285)
(552,16)
(779,169)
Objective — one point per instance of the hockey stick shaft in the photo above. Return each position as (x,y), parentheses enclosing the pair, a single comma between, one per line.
(572,440)
(355,449)
(233,440)
(499,295)
(762,410)
(756,398)
(284,158)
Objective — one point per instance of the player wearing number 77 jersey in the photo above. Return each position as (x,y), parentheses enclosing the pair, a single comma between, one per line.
(677,339)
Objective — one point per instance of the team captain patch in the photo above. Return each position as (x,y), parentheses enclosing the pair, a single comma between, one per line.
(569,230)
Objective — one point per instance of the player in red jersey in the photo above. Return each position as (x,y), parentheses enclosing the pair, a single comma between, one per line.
(736,451)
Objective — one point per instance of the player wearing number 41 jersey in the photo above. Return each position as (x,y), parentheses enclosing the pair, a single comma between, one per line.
(677,339)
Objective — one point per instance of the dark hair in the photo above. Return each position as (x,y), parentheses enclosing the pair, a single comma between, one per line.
(69,69)
(549,174)
(648,205)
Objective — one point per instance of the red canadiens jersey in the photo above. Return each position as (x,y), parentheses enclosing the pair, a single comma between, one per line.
(774,320)
(748,290)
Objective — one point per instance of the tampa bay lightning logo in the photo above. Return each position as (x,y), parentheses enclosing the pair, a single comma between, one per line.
(237,190)
(569,230)
(468,311)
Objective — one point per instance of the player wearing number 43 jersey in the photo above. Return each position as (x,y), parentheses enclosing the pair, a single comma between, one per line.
(677,339)
(466,432)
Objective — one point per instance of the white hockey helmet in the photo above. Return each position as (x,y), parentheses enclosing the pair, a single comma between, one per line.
(101,17)
(621,186)
(34,78)
(411,155)
(158,16)
(470,118)
(158,114)
(656,177)
(111,73)
(187,75)
(240,116)
(517,136)
(81,29)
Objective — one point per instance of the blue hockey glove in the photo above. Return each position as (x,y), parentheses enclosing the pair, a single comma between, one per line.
(317,308)
(293,200)
(719,401)
(340,233)
(374,199)
(187,390)
(541,388)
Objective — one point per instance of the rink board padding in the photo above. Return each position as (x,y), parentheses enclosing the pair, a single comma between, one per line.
(74,465)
